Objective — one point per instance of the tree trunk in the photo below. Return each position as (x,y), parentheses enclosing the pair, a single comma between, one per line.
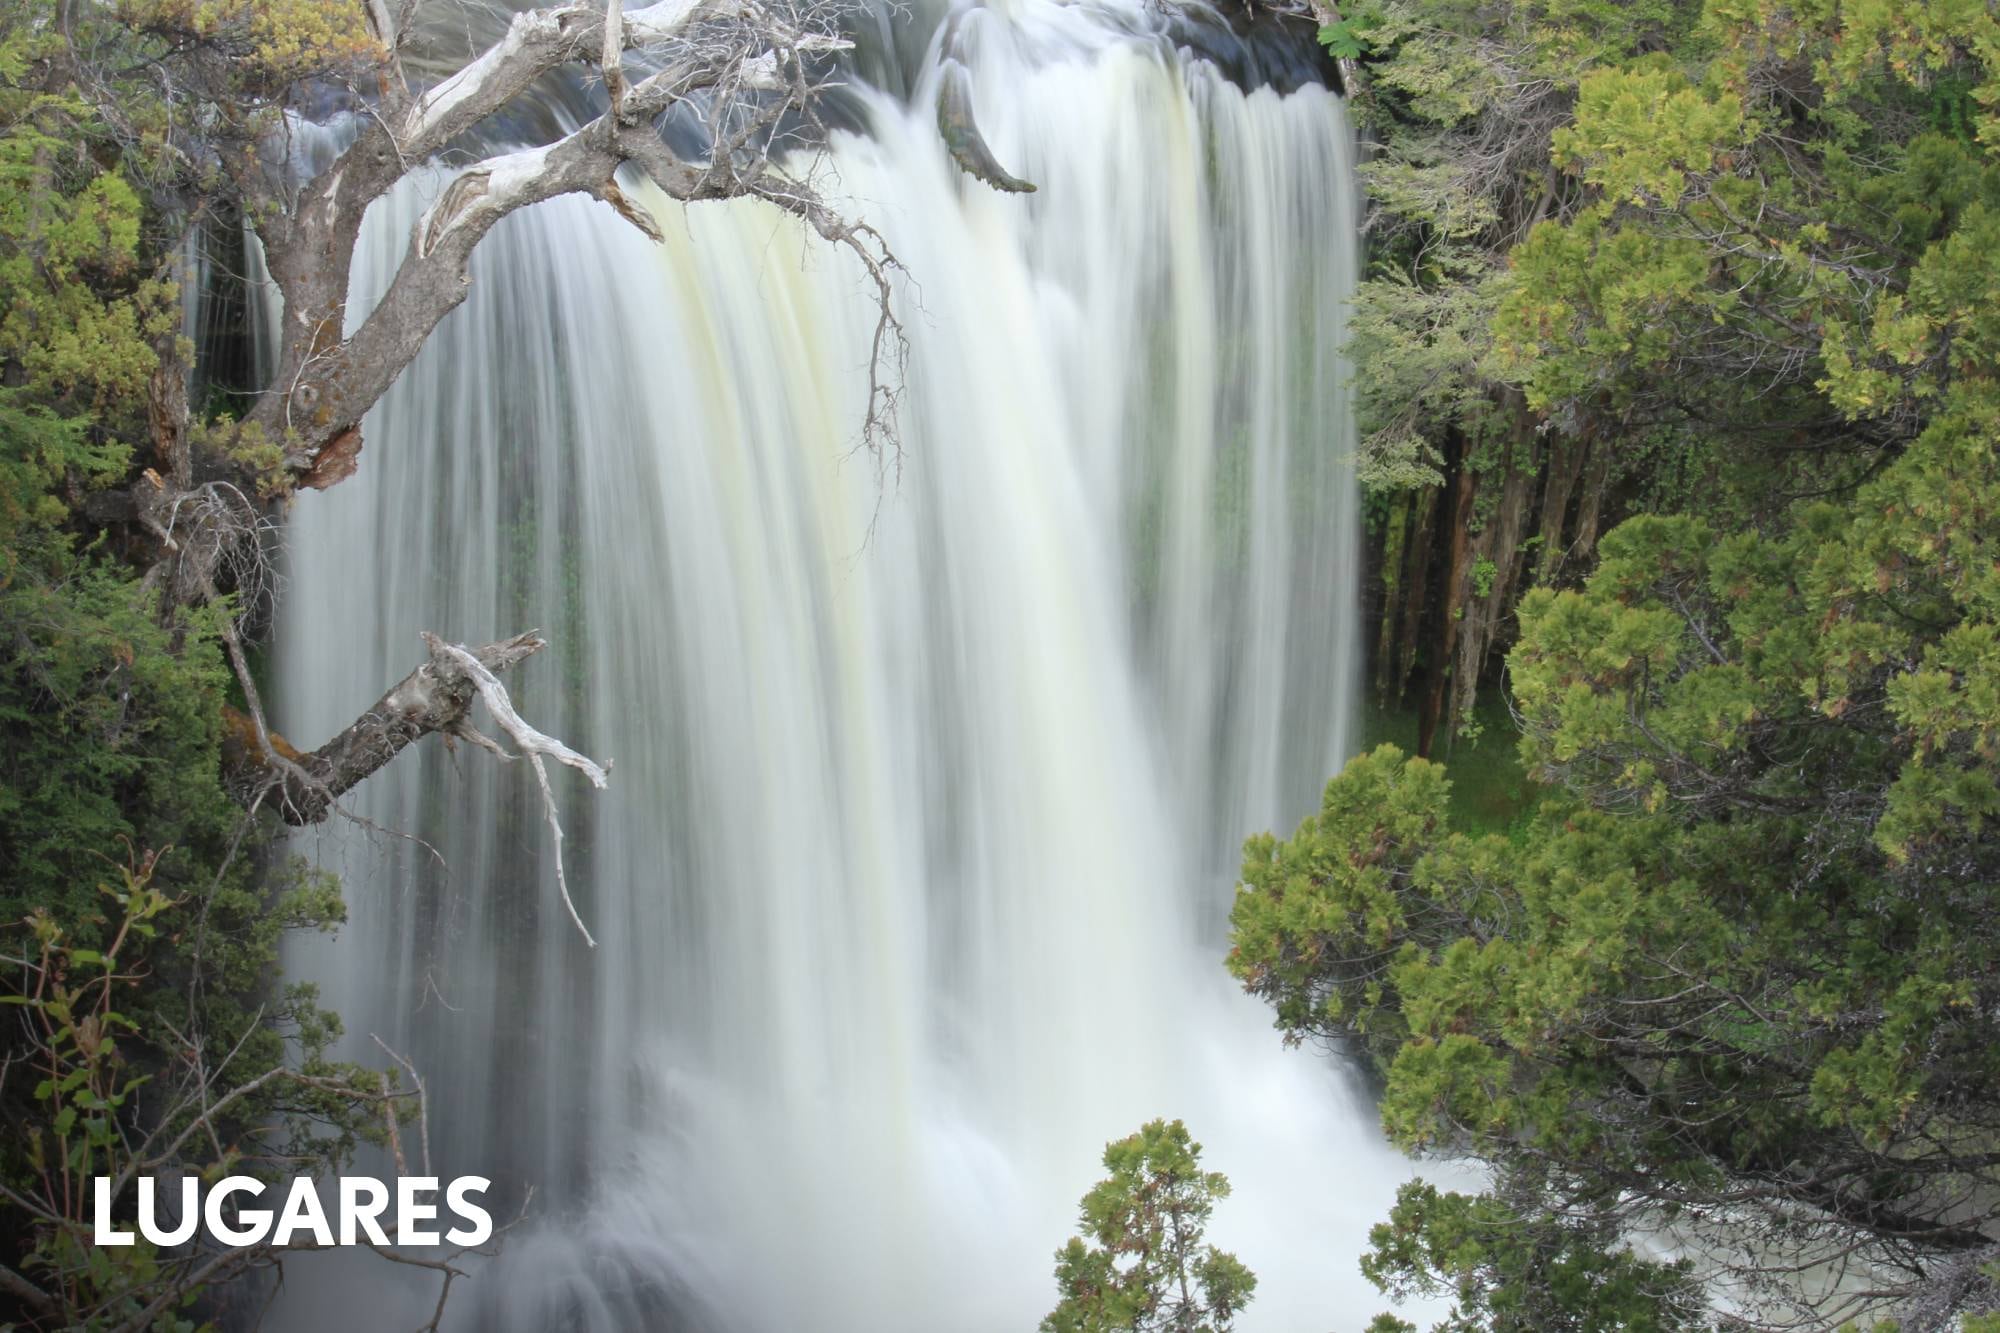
(1590,509)
(1389,579)
(1499,546)
(1457,580)
(1415,586)
(1564,466)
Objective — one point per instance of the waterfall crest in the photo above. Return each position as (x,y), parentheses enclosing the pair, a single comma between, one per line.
(930,773)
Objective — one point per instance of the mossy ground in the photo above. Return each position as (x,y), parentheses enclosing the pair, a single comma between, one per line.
(1490,790)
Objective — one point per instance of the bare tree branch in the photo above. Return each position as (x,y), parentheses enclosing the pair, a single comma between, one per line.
(534,745)
(434,697)
(743,64)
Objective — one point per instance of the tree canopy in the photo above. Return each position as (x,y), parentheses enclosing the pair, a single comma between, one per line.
(1141,1266)
(1734,988)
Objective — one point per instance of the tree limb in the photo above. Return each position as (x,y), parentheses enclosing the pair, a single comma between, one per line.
(25,1291)
(534,745)
(742,63)
(435,697)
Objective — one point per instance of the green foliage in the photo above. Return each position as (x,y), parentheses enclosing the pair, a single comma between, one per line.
(1511,1270)
(1732,253)
(1418,341)
(83,310)
(88,1082)
(127,1086)
(1317,928)
(1483,571)
(72,1001)
(110,732)
(1642,131)
(1719,233)
(1463,101)
(1748,945)
(272,44)
(110,724)
(1347,39)
(1489,791)
(1140,1266)
(1750,941)
(149,996)
(43,458)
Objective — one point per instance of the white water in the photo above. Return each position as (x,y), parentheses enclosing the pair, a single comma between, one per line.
(911,878)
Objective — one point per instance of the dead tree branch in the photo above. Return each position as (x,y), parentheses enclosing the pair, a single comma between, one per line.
(743,65)
(434,697)
(534,745)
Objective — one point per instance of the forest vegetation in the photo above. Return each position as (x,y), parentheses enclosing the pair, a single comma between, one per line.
(1678,377)
(1144,1268)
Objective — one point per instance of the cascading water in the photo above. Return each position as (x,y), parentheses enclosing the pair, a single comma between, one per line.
(929,779)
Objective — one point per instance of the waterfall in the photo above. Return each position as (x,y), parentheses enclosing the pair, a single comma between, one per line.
(930,769)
